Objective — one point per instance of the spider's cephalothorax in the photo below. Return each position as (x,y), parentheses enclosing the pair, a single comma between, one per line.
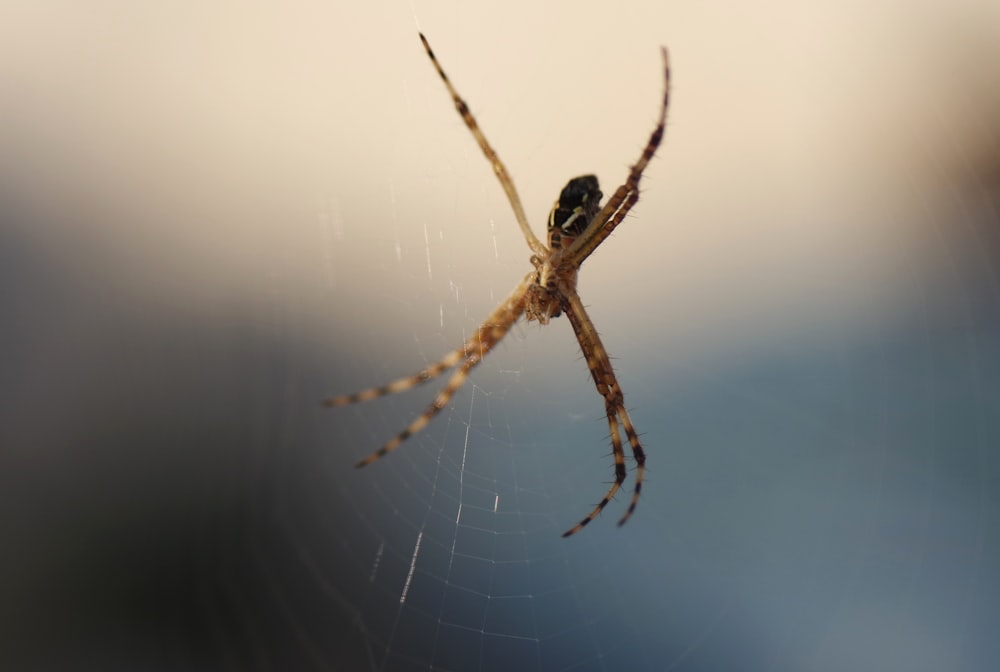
(577,226)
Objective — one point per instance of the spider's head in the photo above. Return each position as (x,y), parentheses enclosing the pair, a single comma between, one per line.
(578,204)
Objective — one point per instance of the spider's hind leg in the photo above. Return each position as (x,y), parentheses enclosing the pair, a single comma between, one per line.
(489,333)
(440,401)
(640,462)
(402,384)
(619,455)
(599,364)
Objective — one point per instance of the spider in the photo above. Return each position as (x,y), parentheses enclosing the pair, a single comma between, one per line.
(577,225)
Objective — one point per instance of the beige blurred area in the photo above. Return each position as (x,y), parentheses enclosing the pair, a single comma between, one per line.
(212,153)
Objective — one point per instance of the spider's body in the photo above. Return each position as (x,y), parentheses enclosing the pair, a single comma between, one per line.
(578,204)
(577,224)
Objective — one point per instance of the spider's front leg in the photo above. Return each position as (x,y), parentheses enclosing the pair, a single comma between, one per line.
(627,195)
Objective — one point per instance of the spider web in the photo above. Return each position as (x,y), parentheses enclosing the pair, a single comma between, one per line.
(811,358)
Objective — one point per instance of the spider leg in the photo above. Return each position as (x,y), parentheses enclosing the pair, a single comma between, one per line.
(619,455)
(402,384)
(449,361)
(491,332)
(599,364)
(627,195)
(498,167)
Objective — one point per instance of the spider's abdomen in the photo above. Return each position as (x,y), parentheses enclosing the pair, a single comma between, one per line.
(578,204)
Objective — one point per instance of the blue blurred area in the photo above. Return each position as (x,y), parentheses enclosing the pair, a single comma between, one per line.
(174,497)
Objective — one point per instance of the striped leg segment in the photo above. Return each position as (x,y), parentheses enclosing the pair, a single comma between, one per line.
(599,364)
(627,195)
(491,332)
(449,361)
(498,167)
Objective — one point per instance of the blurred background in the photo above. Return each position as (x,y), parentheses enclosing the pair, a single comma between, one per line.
(216,214)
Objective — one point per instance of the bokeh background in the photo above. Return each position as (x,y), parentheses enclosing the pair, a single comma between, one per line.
(214,214)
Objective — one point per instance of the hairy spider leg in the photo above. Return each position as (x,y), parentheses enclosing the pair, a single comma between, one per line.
(627,195)
(498,167)
(599,364)
(472,352)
